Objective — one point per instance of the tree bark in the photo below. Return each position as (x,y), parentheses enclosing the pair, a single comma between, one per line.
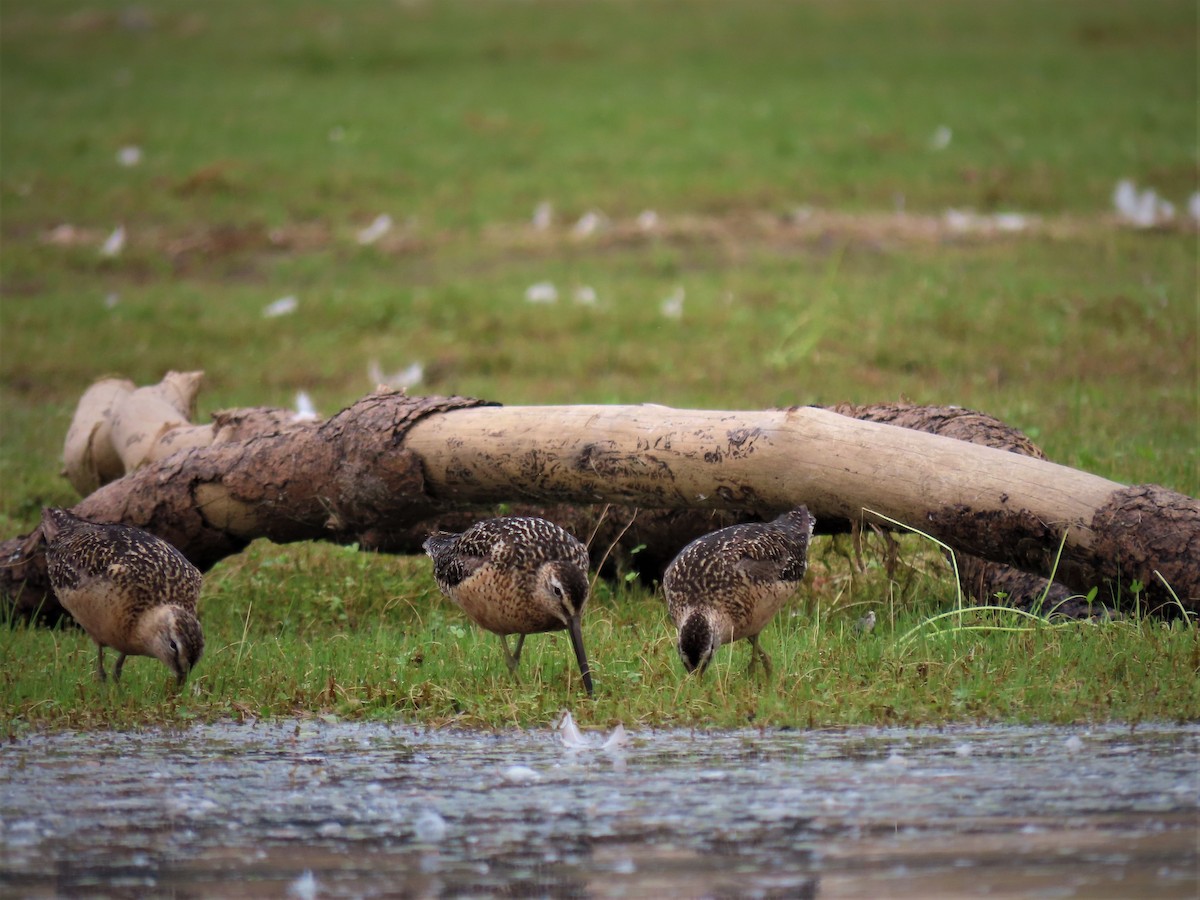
(391,462)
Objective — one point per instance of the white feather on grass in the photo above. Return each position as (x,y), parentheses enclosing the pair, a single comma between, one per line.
(672,306)
(543,215)
(114,243)
(1141,208)
(380,226)
(402,379)
(284,306)
(543,292)
(129,156)
(589,223)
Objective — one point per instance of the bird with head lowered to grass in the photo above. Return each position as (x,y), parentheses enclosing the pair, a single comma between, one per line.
(128,589)
(517,575)
(727,585)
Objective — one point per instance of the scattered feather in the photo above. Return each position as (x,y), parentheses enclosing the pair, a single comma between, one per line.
(1074,744)
(1194,207)
(337,134)
(377,229)
(304,887)
(672,306)
(572,737)
(284,306)
(129,156)
(305,411)
(111,300)
(963,750)
(429,826)
(941,138)
(543,215)
(1010,222)
(1141,209)
(617,740)
(542,292)
(958,219)
(115,243)
(520,775)
(647,220)
(589,223)
(585,295)
(401,380)
(896,759)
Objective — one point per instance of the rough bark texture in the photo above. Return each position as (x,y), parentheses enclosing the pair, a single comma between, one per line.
(380,472)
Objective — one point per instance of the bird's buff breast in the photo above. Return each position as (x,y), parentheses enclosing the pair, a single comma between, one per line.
(501,605)
(99,610)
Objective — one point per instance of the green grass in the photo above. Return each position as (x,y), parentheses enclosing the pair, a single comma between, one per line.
(370,638)
(272,132)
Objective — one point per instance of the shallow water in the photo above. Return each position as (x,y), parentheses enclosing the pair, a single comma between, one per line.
(314,809)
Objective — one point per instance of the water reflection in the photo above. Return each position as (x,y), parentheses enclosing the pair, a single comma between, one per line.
(314,809)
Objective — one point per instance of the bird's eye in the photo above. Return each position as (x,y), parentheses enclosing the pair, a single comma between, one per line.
(558,592)
(174,646)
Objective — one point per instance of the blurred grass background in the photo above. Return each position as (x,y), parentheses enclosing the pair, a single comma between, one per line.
(808,165)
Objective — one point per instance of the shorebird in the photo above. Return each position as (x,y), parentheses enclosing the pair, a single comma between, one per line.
(727,585)
(128,589)
(516,575)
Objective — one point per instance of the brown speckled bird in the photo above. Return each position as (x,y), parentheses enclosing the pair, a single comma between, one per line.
(129,590)
(516,575)
(727,585)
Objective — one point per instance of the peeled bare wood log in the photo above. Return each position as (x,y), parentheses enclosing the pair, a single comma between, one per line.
(391,461)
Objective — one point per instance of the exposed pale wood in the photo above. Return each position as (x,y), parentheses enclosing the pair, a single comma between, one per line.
(391,462)
(764,460)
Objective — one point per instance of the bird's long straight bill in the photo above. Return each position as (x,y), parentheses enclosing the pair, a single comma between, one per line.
(576,632)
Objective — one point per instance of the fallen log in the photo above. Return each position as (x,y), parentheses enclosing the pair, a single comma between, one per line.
(391,462)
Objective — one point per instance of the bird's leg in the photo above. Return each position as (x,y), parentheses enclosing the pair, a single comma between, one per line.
(101,675)
(512,657)
(120,663)
(757,653)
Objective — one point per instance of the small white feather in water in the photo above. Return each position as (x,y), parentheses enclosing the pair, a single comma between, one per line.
(672,306)
(115,243)
(401,380)
(542,292)
(284,306)
(543,215)
(305,411)
(377,229)
(572,737)
(129,156)
(520,775)
(304,887)
(617,740)
(429,826)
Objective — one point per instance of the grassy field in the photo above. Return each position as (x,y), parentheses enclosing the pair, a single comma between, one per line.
(801,160)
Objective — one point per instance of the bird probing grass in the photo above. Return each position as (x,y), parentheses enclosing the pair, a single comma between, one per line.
(516,575)
(728,585)
(127,588)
